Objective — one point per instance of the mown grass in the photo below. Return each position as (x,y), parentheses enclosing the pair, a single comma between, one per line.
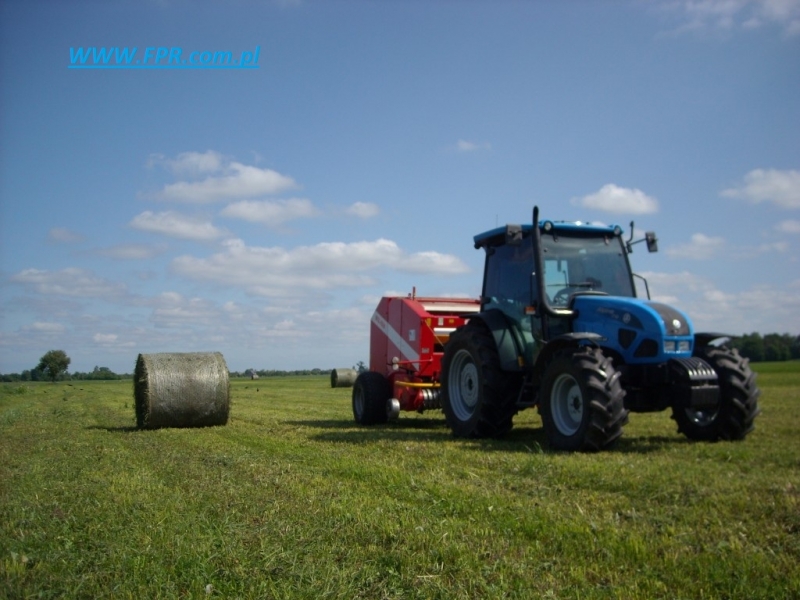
(291,500)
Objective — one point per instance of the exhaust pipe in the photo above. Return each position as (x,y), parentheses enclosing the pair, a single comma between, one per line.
(536,240)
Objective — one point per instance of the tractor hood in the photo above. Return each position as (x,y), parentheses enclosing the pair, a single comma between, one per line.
(641,331)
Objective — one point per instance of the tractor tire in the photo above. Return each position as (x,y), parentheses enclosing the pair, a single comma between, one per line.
(738,399)
(371,394)
(581,401)
(478,398)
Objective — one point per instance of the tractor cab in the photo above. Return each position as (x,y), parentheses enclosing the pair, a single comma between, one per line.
(535,277)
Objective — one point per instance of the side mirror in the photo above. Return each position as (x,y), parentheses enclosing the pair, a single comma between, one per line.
(651,240)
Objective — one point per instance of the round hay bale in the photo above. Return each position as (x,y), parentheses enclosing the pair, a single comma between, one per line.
(343,378)
(181,389)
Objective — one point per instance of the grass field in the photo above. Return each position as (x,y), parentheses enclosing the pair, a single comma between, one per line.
(291,500)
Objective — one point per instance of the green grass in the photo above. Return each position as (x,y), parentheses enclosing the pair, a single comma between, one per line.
(291,500)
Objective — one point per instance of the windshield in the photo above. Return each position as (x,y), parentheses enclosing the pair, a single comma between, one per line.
(574,263)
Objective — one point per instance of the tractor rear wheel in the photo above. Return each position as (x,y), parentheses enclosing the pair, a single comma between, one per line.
(478,398)
(371,393)
(582,401)
(738,399)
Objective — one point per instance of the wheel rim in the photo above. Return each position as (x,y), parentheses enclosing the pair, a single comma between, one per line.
(392,408)
(358,401)
(463,385)
(701,418)
(566,402)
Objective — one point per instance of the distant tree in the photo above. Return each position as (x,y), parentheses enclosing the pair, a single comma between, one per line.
(777,347)
(34,374)
(751,345)
(103,373)
(360,366)
(53,364)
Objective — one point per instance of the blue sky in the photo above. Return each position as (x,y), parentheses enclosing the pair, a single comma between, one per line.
(263,212)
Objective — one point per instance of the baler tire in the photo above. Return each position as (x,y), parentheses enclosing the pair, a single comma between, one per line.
(478,398)
(582,401)
(371,392)
(738,399)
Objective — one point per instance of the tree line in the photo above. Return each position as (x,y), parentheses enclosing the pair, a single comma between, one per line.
(773,347)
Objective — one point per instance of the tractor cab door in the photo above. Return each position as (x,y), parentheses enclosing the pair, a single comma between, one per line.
(556,275)
(508,286)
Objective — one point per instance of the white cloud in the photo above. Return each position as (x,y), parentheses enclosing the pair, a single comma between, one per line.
(467,146)
(704,247)
(176,225)
(195,163)
(63,235)
(104,338)
(133,251)
(235,181)
(363,210)
(183,312)
(773,247)
(769,185)
(45,327)
(701,247)
(762,308)
(788,226)
(731,15)
(69,282)
(276,271)
(270,212)
(615,199)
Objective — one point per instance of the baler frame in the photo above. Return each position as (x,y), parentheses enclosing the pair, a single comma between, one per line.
(407,339)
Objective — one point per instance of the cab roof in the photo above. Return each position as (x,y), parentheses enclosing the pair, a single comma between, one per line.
(508,233)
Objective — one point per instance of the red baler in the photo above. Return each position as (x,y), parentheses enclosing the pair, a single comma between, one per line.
(407,338)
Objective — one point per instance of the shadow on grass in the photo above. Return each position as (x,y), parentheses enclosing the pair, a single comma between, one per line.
(648,444)
(418,423)
(522,439)
(125,429)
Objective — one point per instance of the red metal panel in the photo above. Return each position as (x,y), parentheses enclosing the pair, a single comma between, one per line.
(407,338)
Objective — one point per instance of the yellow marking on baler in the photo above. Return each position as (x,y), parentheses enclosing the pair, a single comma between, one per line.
(413,384)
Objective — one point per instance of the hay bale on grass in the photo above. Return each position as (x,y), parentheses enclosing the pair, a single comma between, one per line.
(181,389)
(343,378)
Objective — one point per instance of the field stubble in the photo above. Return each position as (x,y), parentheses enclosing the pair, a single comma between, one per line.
(292,500)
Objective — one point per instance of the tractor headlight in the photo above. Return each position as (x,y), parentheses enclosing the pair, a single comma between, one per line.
(677,346)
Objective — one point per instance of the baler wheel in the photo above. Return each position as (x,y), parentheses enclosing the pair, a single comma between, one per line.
(478,398)
(582,400)
(738,403)
(371,392)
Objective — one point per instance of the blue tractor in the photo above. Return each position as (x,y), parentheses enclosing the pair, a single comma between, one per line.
(561,328)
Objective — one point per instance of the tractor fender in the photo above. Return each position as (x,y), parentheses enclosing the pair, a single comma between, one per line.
(710,339)
(567,340)
(510,348)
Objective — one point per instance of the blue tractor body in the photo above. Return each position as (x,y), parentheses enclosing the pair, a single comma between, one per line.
(561,328)
(639,331)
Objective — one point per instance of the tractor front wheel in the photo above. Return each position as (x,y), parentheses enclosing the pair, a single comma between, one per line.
(371,393)
(582,401)
(733,417)
(478,398)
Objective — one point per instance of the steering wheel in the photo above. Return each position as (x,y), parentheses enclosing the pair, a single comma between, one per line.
(562,296)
